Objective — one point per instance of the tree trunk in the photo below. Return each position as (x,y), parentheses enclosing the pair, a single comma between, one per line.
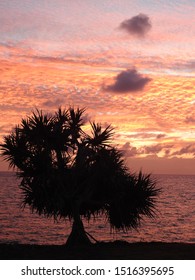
(78,236)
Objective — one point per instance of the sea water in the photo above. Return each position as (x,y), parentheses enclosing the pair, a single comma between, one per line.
(174,221)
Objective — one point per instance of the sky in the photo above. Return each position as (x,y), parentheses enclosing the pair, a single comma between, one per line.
(131,64)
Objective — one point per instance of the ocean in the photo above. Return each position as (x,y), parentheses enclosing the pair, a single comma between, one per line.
(174,221)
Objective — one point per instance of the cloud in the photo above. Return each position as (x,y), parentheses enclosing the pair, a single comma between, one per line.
(53,103)
(128,80)
(166,150)
(157,148)
(153,149)
(189,149)
(128,150)
(160,136)
(138,25)
(190,119)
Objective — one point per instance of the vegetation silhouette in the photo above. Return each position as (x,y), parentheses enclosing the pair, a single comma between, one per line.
(67,173)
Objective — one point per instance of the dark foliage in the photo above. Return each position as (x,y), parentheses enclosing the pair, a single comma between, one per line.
(66,173)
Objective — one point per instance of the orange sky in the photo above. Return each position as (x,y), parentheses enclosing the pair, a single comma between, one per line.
(140,78)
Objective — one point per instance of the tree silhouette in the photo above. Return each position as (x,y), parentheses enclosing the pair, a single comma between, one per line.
(67,173)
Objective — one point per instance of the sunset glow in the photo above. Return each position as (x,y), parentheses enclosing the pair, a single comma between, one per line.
(142,81)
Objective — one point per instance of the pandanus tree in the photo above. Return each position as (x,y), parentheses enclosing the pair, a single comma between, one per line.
(69,174)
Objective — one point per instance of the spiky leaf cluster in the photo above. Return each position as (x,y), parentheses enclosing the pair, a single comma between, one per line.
(61,166)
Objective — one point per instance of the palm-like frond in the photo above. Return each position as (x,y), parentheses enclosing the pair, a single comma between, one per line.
(100,137)
(13,149)
(136,199)
(61,166)
(75,121)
